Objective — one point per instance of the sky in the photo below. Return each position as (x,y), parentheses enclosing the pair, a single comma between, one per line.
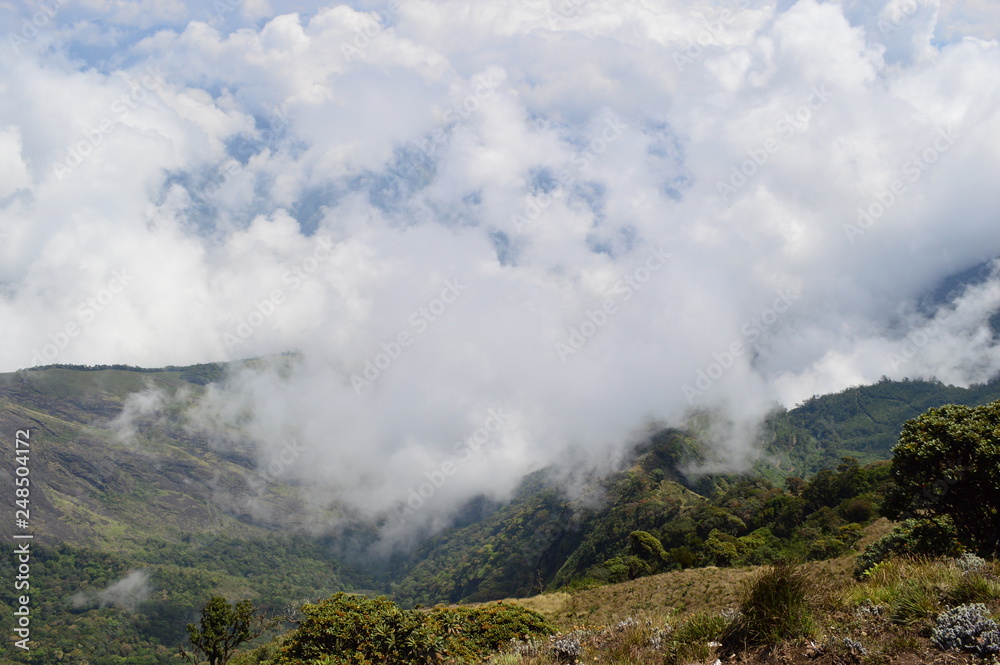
(497,235)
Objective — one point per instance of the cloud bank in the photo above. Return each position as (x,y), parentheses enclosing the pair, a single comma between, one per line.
(497,235)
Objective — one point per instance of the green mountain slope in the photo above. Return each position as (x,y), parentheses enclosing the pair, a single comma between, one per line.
(136,523)
(862,422)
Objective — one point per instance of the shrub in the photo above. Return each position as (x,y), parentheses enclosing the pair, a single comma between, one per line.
(486,628)
(858,509)
(967,628)
(348,629)
(773,609)
(648,548)
(566,648)
(970,563)
(911,537)
(827,548)
(625,568)
(354,630)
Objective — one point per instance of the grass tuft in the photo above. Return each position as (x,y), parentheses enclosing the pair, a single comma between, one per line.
(773,609)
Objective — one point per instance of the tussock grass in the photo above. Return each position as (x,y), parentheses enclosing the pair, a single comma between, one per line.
(773,609)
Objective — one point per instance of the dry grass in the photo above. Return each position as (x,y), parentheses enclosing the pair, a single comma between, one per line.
(656,597)
(677,593)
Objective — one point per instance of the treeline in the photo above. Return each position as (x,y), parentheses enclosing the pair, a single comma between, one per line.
(200,374)
(647,519)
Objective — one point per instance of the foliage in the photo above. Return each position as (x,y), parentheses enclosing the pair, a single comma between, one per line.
(773,609)
(222,629)
(970,563)
(967,628)
(862,422)
(350,629)
(947,463)
(924,537)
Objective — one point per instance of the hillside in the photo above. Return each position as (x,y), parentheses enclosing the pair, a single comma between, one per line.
(861,422)
(138,519)
(133,532)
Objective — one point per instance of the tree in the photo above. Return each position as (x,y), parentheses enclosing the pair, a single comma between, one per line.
(647,547)
(223,628)
(947,463)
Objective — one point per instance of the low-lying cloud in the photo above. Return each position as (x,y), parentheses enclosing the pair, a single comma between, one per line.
(125,594)
(448,210)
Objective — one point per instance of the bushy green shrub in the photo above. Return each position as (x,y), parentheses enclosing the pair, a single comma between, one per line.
(474,631)
(355,630)
(826,548)
(625,568)
(648,547)
(928,537)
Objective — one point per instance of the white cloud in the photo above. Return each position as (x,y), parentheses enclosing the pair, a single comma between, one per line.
(126,593)
(313,180)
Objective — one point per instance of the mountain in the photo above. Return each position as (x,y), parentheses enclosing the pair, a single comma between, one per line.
(862,422)
(137,520)
(131,534)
